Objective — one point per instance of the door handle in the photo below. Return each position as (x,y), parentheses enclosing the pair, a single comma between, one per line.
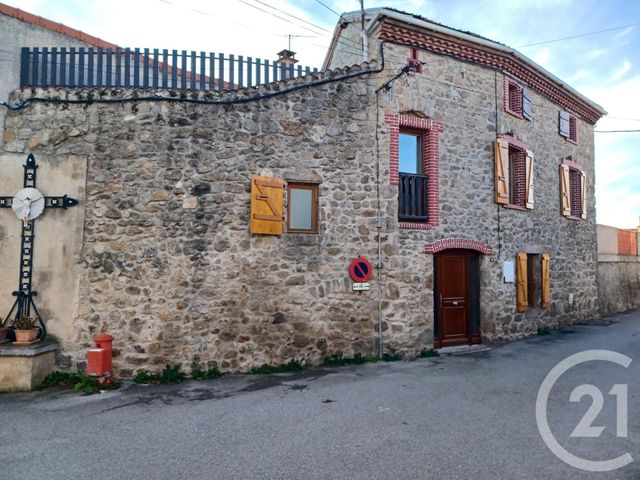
(454,302)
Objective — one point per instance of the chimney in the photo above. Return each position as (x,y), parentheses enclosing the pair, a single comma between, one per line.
(287,57)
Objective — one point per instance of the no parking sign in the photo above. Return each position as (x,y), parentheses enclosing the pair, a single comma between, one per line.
(360,270)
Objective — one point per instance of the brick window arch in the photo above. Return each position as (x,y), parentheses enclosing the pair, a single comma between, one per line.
(457,242)
(429,131)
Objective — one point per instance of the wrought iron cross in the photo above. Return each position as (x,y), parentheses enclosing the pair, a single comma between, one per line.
(28,203)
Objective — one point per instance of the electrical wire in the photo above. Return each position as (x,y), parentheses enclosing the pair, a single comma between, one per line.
(328,8)
(615,131)
(579,35)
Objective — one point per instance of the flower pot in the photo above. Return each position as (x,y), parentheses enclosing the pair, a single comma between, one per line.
(26,336)
(3,334)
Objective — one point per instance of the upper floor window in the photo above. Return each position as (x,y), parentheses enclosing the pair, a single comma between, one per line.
(513,173)
(568,126)
(517,100)
(412,189)
(414,168)
(573,190)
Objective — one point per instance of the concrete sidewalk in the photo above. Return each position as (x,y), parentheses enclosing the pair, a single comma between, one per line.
(450,417)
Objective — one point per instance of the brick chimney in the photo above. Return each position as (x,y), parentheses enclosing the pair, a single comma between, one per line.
(287,57)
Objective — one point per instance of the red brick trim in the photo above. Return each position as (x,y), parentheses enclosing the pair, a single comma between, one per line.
(441,43)
(514,141)
(517,112)
(430,159)
(456,242)
(54,26)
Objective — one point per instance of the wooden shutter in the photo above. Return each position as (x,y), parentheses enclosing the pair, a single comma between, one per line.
(546,286)
(502,171)
(565,190)
(266,205)
(522,300)
(583,192)
(526,104)
(564,128)
(529,178)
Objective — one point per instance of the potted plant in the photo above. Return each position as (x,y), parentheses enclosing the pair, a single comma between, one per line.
(25,329)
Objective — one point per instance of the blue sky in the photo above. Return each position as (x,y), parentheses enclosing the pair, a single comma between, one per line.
(603,66)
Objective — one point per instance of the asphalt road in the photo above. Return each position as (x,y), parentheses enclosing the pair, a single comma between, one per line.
(449,417)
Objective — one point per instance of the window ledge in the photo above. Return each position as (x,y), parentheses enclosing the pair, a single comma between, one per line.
(577,219)
(510,206)
(514,113)
(415,225)
(570,140)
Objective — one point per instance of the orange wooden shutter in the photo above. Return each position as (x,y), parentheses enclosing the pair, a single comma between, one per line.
(565,190)
(502,171)
(546,276)
(583,191)
(522,300)
(529,174)
(266,205)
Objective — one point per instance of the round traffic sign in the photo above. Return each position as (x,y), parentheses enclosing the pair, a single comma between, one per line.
(360,270)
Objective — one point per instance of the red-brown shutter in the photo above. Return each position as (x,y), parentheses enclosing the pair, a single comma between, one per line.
(502,171)
(522,300)
(546,277)
(565,190)
(583,191)
(529,179)
(266,205)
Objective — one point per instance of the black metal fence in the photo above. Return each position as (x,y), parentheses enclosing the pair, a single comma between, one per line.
(144,68)
(412,197)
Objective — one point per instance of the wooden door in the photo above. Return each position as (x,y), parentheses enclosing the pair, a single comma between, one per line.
(456,298)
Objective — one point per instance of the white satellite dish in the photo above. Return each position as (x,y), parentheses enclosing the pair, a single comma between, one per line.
(28,204)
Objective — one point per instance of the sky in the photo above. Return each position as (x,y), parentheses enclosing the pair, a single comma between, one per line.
(602,66)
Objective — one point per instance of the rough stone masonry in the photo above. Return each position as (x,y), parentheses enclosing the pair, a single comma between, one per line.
(162,258)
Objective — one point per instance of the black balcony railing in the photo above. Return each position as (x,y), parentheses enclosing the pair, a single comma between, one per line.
(412,197)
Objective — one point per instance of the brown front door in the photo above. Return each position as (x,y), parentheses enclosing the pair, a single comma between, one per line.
(456,298)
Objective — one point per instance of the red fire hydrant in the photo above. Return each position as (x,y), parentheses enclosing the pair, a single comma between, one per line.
(99,358)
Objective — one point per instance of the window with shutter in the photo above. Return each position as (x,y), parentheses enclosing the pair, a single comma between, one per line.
(513,173)
(573,190)
(266,213)
(532,281)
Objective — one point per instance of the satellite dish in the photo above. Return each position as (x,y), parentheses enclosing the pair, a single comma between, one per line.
(28,204)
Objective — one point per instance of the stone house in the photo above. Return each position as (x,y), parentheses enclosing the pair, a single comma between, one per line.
(218,227)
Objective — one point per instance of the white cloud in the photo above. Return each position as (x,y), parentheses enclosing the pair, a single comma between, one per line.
(622,71)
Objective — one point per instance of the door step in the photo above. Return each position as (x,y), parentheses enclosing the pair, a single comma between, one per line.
(463,349)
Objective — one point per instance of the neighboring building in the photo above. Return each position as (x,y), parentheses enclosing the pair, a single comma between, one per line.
(222,233)
(21,29)
(618,269)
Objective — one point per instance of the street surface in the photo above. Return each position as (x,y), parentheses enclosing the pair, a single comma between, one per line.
(449,417)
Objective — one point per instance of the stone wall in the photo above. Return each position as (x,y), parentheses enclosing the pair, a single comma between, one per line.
(168,265)
(15,34)
(618,273)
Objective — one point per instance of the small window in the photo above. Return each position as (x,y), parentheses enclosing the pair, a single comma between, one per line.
(410,152)
(514,94)
(568,126)
(534,282)
(302,208)
(575,181)
(517,177)
(517,100)
(573,129)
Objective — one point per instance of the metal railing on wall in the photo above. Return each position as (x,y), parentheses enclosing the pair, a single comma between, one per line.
(148,68)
